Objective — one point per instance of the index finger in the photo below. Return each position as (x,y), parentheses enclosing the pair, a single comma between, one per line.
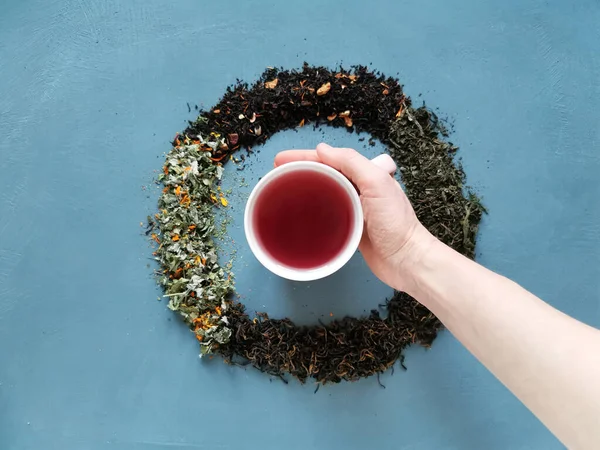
(288,156)
(356,167)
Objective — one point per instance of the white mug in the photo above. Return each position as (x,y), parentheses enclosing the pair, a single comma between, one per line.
(333,265)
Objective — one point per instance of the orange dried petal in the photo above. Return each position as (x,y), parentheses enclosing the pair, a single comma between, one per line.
(271,84)
(324,89)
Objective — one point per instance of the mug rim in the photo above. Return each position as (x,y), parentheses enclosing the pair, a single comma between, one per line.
(331,266)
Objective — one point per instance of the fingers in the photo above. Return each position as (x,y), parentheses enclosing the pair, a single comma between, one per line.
(361,171)
(295,155)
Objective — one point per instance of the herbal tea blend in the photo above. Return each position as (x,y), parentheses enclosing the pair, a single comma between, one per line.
(200,289)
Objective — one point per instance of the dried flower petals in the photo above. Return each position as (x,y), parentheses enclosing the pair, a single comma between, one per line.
(271,84)
(234,138)
(324,89)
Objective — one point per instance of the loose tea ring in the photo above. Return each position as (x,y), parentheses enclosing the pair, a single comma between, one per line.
(201,290)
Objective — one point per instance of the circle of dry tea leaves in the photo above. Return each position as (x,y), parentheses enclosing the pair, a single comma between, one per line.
(200,289)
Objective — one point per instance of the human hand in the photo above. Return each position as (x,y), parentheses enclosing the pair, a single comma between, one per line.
(393,237)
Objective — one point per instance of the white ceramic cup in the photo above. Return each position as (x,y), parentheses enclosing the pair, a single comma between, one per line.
(296,274)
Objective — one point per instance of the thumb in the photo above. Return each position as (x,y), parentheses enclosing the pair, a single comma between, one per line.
(357,168)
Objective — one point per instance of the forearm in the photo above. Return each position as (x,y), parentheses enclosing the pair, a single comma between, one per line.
(550,361)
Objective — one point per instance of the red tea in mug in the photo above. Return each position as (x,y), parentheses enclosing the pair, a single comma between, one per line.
(303,219)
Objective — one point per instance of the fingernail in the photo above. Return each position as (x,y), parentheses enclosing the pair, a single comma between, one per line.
(324,146)
(385,162)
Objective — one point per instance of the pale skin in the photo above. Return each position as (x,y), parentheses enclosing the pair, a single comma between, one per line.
(549,360)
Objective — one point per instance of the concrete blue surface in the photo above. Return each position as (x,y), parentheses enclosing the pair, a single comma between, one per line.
(91,92)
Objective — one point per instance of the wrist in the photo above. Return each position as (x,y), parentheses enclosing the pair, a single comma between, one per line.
(413,260)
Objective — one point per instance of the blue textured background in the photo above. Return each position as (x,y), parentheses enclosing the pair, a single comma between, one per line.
(92,91)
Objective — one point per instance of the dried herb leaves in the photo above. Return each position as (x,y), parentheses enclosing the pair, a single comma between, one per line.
(194,282)
(198,287)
